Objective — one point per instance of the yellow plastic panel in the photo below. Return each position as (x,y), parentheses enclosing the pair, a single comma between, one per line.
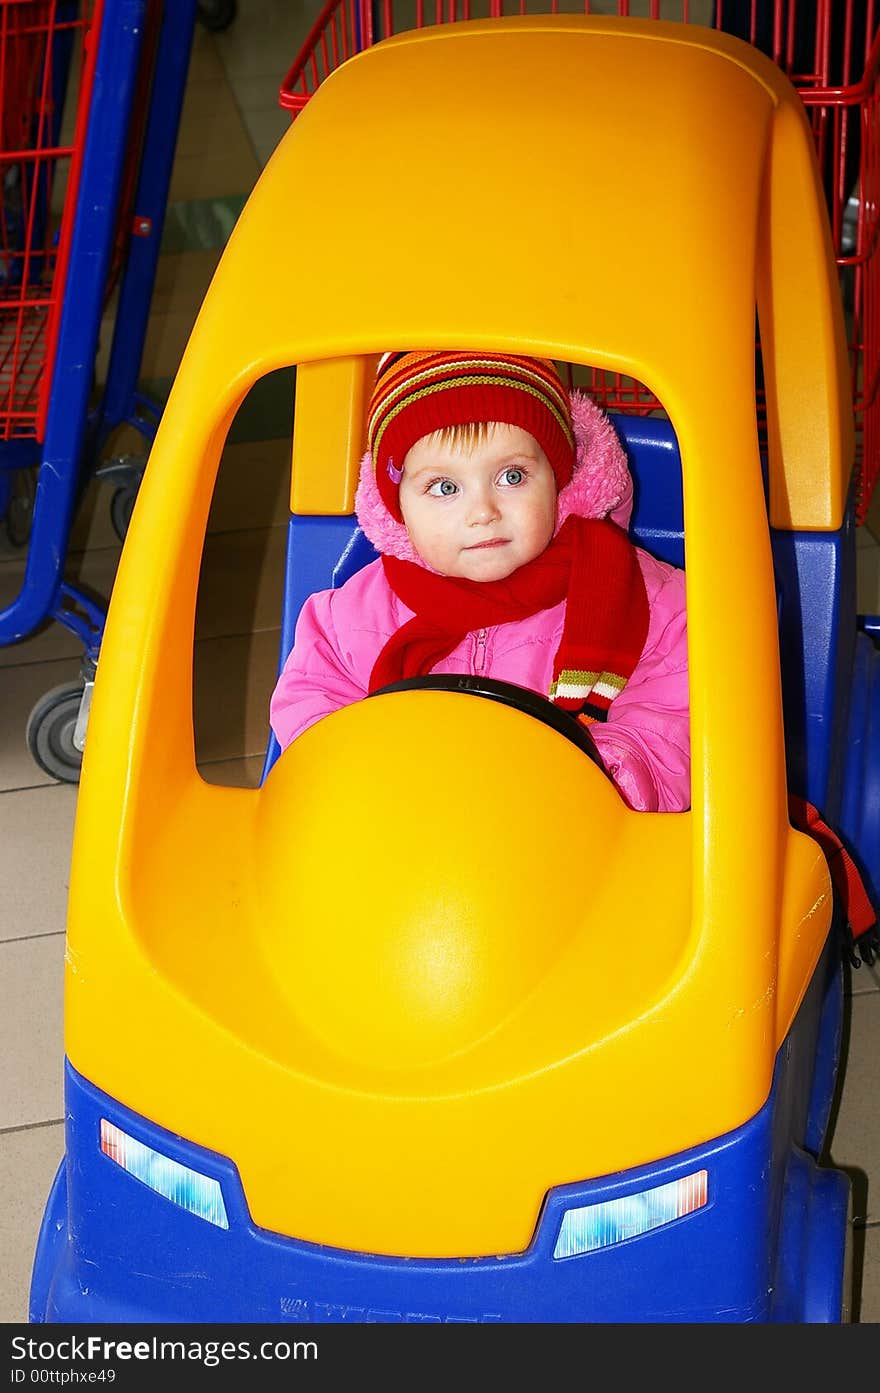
(420,1019)
(803,922)
(458,898)
(199,916)
(329,433)
(682,179)
(803,339)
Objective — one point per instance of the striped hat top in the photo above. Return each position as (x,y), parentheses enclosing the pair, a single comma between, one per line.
(418,393)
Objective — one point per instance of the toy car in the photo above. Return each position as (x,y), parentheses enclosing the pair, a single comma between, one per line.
(321,1066)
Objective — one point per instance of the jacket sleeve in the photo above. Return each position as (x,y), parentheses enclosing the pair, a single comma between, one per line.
(645,743)
(319,676)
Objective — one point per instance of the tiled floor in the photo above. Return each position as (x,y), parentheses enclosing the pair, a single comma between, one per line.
(230,125)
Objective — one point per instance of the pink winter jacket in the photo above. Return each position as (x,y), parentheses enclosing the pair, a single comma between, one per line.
(644,743)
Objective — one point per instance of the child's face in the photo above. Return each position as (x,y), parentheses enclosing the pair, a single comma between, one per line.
(479,512)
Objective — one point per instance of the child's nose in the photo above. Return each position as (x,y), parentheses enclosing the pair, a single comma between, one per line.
(484,507)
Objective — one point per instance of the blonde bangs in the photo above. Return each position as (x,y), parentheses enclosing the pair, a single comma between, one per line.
(465,437)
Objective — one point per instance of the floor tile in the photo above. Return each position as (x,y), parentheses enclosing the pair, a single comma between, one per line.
(12,582)
(267,411)
(241,587)
(205,66)
(265,414)
(863,979)
(855,1141)
(253,487)
(242,582)
(199,225)
(182,278)
(31,1031)
(134,351)
(213,175)
(22,687)
(868,579)
(264,147)
(166,338)
(93,528)
(244,669)
(234,773)
(252,492)
(869,1305)
(210,121)
(28,1162)
(101,560)
(265,129)
(259,93)
(49,642)
(270,41)
(95,568)
(36,830)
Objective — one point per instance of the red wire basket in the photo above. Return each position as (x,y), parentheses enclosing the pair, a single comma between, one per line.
(831,52)
(44,49)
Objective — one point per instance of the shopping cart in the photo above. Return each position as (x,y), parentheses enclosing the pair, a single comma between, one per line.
(57,271)
(830,51)
(315,1071)
(36,53)
(162,86)
(163,74)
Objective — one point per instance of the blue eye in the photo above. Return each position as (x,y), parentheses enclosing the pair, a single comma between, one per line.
(512,477)
(443,488)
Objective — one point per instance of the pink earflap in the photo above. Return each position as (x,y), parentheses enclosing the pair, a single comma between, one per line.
(601,485)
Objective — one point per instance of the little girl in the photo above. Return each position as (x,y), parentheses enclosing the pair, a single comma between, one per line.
(499,506)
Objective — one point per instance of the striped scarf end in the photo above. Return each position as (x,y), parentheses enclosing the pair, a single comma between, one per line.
(599,688)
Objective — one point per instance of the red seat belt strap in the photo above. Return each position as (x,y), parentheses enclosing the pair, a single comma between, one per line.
(860,913)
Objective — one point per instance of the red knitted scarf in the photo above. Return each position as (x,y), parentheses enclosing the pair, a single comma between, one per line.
(591,564)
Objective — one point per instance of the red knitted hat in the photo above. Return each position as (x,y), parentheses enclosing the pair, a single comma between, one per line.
(418,393)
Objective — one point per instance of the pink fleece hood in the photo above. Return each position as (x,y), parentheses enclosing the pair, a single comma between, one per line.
(600,485)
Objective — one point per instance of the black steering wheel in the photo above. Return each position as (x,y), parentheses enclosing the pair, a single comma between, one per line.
(509,694)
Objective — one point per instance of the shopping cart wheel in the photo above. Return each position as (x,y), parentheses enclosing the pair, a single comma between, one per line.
(51,731)
(121,505)
(15,527)
(216,15)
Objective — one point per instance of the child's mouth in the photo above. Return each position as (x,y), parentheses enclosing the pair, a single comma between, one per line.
(496,542)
